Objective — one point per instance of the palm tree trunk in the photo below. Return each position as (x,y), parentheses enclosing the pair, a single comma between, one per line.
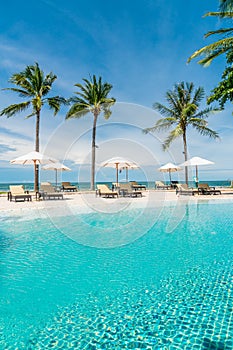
(185,157)
(37,149)
(93,152)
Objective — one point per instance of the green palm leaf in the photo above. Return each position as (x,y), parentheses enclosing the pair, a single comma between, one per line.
(77,111)
(55,103)
(174,134)
(21,92)
(13,109)
(226,5)
(222,46)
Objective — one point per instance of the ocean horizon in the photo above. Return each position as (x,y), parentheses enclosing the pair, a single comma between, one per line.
(84,186)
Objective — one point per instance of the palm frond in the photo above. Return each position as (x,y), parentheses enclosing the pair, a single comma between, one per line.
(165,123)
(108,102)
(20,80)
(226,14)
(161,124)
(107,113)
(205,62)
(80,101)
(22,93)
(173,135)
(205,113)
(219,31)
(93,95)
(213,50)
(188,111)
(30,115)
(205,131)
(198,121)
(165,111)
(198,95)
(85,90)
(15,109)
(148,130)
(77,111)
(55,103)
(226,5)
(173,101)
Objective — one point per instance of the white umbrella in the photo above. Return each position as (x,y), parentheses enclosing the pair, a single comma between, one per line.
(56,167)
(196,161)
(34,158)
(169,168)
(119,163)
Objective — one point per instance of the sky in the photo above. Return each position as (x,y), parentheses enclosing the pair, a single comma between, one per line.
(141,47)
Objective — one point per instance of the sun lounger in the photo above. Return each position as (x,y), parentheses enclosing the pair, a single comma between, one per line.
(206,189)
(115,186)
(183,189)
(66,186)
(159,185)
(104,191)
(174,184)
(126,190)
(136,186)
(47,192)
(18,193)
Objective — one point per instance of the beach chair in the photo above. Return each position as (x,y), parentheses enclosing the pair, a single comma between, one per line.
(47,192)
(115,186)
(104,191)
(66,186)
(136,186)
(126,190)
(206,189)
(159,185)
(183,189)
(18,193)
(174,184)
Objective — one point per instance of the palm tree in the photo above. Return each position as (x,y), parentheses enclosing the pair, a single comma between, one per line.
(33,85)
(92,97)
(226,5)
(182,112)
(222,46)
(223,92)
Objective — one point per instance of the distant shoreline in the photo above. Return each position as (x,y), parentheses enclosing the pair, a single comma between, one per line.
(84,186)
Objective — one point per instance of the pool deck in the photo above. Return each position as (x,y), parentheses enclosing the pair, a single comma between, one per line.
(74,203)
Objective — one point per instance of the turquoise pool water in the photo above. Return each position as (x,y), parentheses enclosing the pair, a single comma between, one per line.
(168,289)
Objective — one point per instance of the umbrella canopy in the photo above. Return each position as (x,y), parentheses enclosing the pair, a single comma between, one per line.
(56,167)
(119,163)
(169,168)
(35,158)
(196,161)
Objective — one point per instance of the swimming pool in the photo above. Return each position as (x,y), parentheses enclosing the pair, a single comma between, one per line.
(167,289)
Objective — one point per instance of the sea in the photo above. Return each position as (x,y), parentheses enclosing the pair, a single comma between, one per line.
(85,186)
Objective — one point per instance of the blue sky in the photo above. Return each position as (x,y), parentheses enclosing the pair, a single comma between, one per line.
(141,48)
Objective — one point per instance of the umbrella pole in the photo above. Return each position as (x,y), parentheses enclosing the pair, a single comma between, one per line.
(56,177)
(170,176)
(36,176)
(117,174)
(127,174)
(196,176)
